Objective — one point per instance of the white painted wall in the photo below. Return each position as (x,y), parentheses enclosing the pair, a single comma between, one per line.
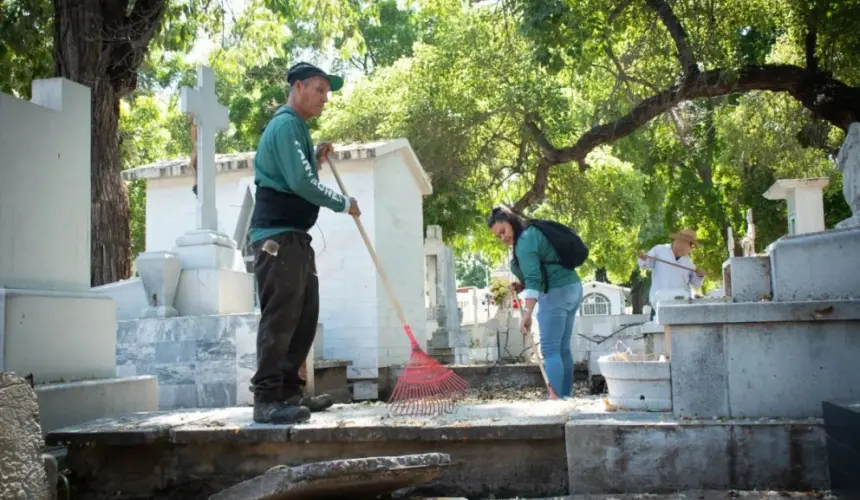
(399,223)
(45,188)
(171,207)
(349,296)
(614,294)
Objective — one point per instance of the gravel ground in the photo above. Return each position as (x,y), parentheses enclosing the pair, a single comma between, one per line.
(480,407)
(506,395)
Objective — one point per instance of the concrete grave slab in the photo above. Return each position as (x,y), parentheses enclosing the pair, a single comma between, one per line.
(762,359)
(504,449)
(816,266)
(655,453)
(140,428)
(351,478)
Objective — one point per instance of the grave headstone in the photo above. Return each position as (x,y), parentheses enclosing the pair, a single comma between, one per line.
(748,241)
(214,279)
(52,324)
(350,478)
(23,471)
(804,203)
(449,343)
(210,117)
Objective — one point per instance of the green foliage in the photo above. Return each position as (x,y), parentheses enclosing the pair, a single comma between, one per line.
(26,44)
(459,82)
(471,270)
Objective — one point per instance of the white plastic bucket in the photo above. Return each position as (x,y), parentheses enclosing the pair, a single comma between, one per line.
(640,383)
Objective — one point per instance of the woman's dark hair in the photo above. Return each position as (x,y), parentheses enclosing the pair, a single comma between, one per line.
(502,213)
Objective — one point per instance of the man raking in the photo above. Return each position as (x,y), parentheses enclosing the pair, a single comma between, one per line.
(671,266)
(288,201)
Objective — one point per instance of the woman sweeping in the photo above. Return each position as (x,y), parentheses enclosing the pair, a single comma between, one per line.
(548,279)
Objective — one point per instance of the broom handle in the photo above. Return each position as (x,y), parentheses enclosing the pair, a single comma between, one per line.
(671,263)
(382,276)
(537,356)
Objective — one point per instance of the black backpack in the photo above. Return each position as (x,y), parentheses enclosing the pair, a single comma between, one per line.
(572,252)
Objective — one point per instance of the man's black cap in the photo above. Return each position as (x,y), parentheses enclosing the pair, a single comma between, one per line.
(303,71)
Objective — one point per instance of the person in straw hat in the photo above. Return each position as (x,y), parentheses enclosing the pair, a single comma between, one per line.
(665,276)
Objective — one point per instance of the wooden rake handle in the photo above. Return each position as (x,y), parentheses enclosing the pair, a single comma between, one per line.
(388,288)
(671,263)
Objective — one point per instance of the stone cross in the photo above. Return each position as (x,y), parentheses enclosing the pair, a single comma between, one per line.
(748,241)
(731,241)
(210,116)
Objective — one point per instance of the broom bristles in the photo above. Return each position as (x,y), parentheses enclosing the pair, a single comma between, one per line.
(426,387)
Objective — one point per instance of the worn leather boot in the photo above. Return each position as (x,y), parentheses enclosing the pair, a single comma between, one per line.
(280,412)
(320,402)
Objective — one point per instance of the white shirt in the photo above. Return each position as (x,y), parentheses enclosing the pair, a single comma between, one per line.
(664,276)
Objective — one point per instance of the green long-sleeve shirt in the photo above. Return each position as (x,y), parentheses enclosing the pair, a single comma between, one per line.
(286,161)
(531,249)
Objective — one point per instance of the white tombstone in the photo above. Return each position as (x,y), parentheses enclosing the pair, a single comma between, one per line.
(51,324)
(805,203)
(214,279)
(360,323)
(449,342)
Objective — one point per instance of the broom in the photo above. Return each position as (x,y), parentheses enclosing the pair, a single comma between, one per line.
(425,387)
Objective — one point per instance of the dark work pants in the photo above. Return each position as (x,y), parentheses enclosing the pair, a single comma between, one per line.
(288,287)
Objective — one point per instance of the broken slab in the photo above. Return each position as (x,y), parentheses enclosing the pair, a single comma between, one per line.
(23,470)
(351,478)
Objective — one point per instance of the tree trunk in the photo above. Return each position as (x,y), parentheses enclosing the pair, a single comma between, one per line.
(100,45)
(111,233)
(638,288)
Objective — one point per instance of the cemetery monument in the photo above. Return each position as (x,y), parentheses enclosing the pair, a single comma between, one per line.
(52,324)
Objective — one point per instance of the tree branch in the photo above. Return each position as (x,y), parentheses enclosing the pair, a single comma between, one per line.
(826,97)
(811,42)
(618,10)
(129,43)
(689,68)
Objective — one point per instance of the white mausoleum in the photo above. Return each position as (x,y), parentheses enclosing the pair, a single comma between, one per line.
(358,320)
(602,299)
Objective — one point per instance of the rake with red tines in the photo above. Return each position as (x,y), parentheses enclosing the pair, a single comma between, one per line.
(425,387)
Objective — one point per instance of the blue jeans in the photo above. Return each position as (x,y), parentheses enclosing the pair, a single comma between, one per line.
(555,314)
